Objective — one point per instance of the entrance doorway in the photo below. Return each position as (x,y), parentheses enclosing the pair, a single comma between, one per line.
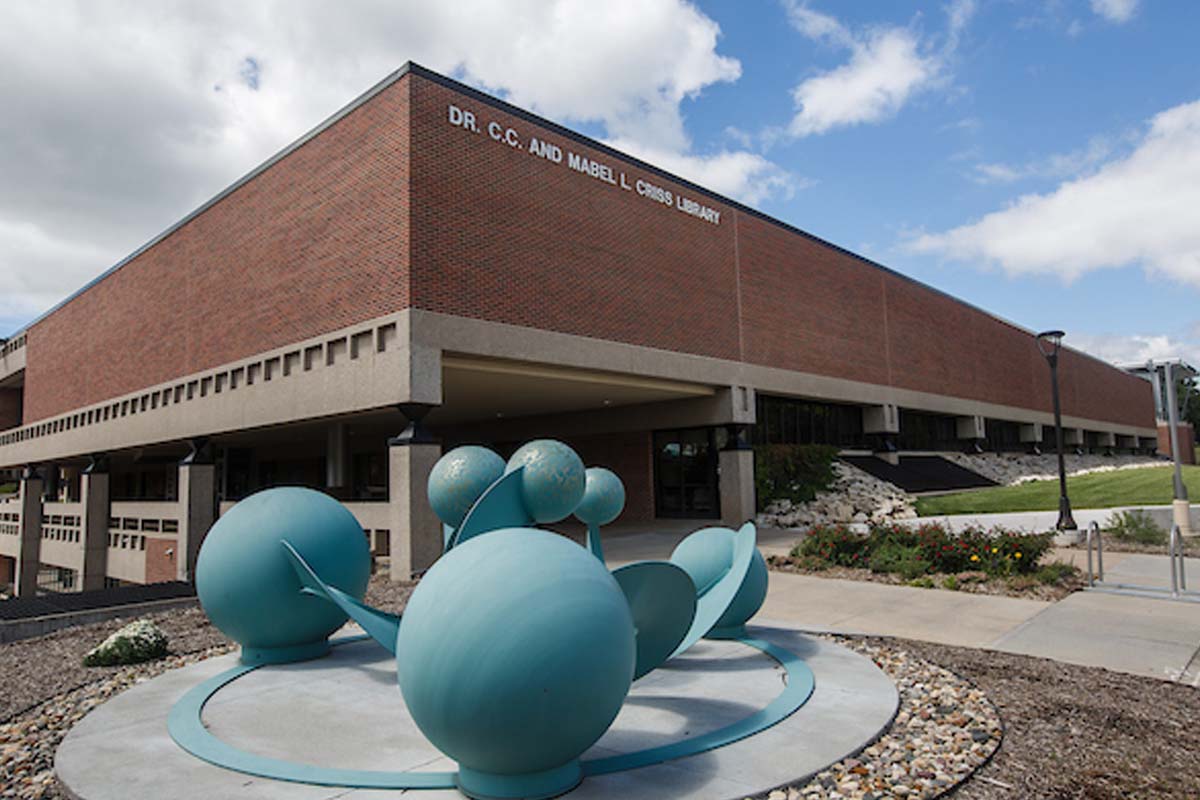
(685,474)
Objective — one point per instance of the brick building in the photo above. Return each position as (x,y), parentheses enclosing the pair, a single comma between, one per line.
(432,252)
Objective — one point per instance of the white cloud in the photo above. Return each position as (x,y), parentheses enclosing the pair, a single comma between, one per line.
(747,176)
(122,118)
(887,67)
(1127,349)
(1060,165)
(1117,11)
(1136,209)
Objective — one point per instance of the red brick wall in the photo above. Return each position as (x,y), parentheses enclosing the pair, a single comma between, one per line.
(314,243)
(10,408)
(327,237)
(503,235)
(630,456)
(1187,441)
(160,566)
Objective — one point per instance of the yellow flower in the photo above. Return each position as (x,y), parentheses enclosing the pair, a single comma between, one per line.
(995,550)
(974,558)
(1016,555)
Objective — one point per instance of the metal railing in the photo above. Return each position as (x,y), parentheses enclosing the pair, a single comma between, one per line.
(1176,559)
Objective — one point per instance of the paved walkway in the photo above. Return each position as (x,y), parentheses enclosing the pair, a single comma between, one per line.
(1143,636)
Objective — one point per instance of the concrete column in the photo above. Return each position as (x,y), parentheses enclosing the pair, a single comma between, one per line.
(971,431)
(94,497)
(414,531)
(1031,435)
(883,422)
(198,508)
(735,478)
(29,559)
(1072,437)
(337,456)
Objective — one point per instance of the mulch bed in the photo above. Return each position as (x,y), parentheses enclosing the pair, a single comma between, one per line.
(971,582)
(1070,732)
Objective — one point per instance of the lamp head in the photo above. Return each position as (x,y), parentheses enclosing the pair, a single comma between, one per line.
(1049,342)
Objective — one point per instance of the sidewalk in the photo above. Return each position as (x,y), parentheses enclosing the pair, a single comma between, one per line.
(1141,636)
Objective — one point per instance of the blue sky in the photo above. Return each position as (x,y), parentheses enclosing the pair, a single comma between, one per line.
(1038,159)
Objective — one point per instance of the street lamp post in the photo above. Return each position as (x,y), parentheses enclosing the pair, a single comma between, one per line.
(1048,343)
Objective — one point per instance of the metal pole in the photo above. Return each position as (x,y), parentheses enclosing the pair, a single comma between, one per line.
(1182,508)
(1171,555)
(1090,532)
(1065,520)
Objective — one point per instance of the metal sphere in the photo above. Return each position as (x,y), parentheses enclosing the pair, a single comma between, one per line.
(603,497)
(553,482)
(514,655)
(246,583)
(459,478)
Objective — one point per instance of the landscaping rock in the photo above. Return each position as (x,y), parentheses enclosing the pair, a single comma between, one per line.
(138,641)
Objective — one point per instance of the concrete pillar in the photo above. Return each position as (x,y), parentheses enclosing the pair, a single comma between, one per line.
(971,430)
(414,531)
(337,456)
(29,558)
(1032,434)
(883,422)
(94,497)
(197,505)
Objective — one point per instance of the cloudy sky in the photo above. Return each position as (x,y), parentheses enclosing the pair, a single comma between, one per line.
(1039,158)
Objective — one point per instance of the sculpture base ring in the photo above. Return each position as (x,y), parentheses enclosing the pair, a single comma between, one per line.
(187,729)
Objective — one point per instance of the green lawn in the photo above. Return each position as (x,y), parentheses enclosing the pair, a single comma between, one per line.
(1151,486)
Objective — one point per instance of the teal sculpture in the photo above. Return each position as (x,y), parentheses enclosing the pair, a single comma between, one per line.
(249,588)
(516,677)
(552,481)
(517,648)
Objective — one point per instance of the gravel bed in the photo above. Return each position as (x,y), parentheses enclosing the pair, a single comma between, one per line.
(945,729)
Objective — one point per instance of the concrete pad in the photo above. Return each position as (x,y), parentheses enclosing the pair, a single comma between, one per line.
(345,710)
(955,618)
(1142,636)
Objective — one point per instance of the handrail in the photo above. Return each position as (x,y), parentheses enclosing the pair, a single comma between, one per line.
(1175,550)
(1093,533)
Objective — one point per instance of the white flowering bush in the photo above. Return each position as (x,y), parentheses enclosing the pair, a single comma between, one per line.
(138,641)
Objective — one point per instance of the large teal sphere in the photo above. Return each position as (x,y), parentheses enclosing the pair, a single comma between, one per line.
(246,583)
(515,653)
(459,478)
(554,479)
(750,596)
(603,497)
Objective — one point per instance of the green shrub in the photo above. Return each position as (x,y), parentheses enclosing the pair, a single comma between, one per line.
(794,472)
(1055,573)
(922,583)
(836,545)
(8,488)
(898,548)
(950,582)
(1136,526)
(138,641)
(907,561)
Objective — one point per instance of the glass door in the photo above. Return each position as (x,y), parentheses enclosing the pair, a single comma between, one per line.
(685,474)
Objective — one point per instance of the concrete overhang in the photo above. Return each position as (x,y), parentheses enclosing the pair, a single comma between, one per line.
(476,389)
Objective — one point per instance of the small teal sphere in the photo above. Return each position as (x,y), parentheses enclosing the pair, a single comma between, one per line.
(750,596)
(603,497)
(554,479)
(515,652)
(459,478)
(706,556)
(246,583)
